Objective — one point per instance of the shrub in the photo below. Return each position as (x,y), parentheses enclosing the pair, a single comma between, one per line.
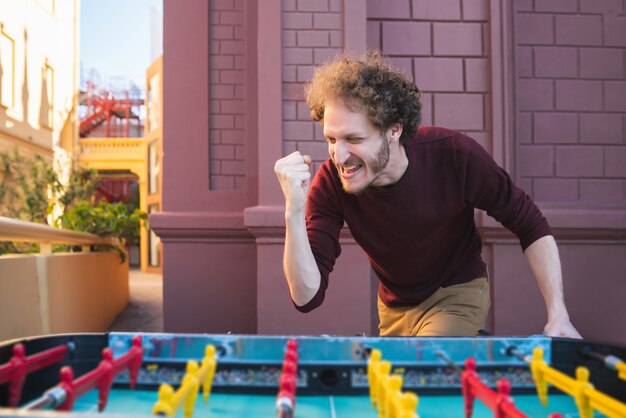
(30,189)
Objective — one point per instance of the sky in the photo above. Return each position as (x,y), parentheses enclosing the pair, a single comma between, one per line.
(115,38)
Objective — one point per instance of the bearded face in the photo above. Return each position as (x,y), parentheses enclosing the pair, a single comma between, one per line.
(358,149)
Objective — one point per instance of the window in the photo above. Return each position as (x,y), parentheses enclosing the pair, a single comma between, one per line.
(46,114)
(153,242)
(153,167)
(154,108)
(7,70)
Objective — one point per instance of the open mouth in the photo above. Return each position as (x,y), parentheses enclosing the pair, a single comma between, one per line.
(348,171)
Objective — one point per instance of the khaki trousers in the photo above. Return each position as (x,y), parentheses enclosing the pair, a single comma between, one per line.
(458,310)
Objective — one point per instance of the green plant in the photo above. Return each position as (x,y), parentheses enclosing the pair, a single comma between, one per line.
(106,220)
(24,187)
(81,187)
(30,189)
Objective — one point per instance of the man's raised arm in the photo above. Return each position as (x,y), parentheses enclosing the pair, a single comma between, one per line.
(303,276)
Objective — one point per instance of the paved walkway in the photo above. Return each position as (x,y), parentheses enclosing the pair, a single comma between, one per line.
(144,312)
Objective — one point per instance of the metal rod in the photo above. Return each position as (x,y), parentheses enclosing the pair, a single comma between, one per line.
(51,398)
(513,351)
(447,359)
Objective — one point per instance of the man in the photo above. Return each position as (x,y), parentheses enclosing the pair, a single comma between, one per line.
(407,194)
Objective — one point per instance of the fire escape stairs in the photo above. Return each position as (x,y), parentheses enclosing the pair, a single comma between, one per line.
(102,106)
(92,121)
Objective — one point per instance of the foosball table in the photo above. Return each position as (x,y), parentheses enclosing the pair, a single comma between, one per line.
(303,376)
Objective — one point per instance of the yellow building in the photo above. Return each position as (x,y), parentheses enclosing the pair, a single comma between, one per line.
(151,251)
(140,157)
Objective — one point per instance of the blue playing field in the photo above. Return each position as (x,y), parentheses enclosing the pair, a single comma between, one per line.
(140,402)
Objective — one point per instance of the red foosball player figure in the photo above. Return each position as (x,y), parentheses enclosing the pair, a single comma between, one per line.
(16,370)
(131,360)
(286,399)
(17,373)
(62,396)
(107,369)
(504,407)
(500,403)
(100,377)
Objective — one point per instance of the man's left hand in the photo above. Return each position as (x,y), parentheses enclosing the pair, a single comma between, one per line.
(563,328)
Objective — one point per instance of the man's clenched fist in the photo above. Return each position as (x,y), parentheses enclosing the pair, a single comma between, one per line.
(293,172)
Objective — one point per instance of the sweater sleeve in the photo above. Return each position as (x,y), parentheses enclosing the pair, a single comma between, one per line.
(489,187)
(324,221)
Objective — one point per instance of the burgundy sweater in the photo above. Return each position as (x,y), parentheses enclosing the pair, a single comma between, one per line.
(420,234)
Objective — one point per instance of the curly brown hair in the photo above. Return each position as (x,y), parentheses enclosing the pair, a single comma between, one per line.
(385,92)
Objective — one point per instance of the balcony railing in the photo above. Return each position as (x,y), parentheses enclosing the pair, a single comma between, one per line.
(123,149)
(21,231)
(56,293)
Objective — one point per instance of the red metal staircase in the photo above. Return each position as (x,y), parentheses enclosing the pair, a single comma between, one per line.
(104,107)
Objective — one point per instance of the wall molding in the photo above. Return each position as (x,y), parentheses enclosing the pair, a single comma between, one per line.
(200,227)
(572,224)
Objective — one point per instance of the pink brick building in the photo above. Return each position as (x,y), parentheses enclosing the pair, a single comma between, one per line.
(541,85)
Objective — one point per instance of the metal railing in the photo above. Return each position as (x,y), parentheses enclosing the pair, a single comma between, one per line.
(23,231)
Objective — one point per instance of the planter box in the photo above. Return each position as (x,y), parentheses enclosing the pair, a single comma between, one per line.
(61,293)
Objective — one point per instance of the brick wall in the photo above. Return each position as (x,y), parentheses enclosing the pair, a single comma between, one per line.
(227,83)
(571,100)
(443,46)
(312,32)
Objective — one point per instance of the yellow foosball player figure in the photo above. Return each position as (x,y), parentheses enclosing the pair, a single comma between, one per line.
(207,371)
(393,395)
(408,405)
(372,364)
(164,406)
(170,402)
(381,380)
(386,390)
(586,396)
